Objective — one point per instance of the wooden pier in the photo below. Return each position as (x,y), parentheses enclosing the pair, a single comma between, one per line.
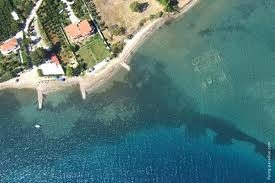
(83,92)
(40,99)
(126,66)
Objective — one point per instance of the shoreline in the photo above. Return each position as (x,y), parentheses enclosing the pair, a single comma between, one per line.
(89,82)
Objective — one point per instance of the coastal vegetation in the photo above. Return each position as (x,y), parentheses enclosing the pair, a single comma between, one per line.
(156,15)
(117,47)
(76,71)
(138,7)
(151,17)
(10,66)
(115,16)
(135,6)
(80,68)
(69,71)
(117,30)
(167,5)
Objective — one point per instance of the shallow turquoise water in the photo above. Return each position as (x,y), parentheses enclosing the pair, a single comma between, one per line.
(197,106)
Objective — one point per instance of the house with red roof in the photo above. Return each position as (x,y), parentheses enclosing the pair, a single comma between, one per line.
(79,31)
(9,46)
(54,59)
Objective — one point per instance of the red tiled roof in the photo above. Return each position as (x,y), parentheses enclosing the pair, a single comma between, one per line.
(9,45)
(72,30)
(55,59)
(79,30)
(84,28)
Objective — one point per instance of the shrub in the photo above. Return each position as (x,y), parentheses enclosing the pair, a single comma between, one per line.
(167,5)
(117,30)
(157,15)
(136,6)
(69,71)
(39,72)
(142,22)
(117,48)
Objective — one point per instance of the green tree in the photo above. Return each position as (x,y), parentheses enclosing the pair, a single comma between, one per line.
(117,30)
(42,52)
(6,76)
(74,47)
(167,5)
(39,72)
(26,59)
(117,48)
(142,22)
(26,41)
(136,6)
(38,56)
(80,68)
(8,27)
(35,58)
(1,56)
(69,71)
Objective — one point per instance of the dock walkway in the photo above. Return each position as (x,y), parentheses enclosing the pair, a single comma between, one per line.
(83,92)
(126,66)
(40,99)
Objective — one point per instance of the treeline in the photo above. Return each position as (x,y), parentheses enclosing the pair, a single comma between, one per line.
(10,66)
(79,9)
(52,23)
(8,27)
(22,7)
(168,4)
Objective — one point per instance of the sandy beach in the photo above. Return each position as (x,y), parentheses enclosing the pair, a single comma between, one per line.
(89,83)
(29,79)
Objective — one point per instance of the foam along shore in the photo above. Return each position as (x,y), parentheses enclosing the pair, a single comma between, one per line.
(30,80)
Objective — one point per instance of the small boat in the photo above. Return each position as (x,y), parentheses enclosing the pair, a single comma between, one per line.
(37,126)
(209,81)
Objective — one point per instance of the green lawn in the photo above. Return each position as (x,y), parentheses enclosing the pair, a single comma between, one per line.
(93,51)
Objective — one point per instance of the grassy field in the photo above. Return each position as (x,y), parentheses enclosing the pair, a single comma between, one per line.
(93,51)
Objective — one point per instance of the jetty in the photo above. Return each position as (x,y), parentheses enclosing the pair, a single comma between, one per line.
(126,66)
(83,92)
(40,99)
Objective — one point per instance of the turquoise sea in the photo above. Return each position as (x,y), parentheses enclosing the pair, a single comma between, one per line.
(198,106)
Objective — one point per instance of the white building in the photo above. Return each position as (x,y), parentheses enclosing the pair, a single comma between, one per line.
(14,15)
(52,67)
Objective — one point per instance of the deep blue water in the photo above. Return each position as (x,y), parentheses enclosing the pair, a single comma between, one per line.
(197,107)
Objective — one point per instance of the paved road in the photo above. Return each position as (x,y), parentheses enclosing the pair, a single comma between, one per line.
(72,16)
(32,15)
